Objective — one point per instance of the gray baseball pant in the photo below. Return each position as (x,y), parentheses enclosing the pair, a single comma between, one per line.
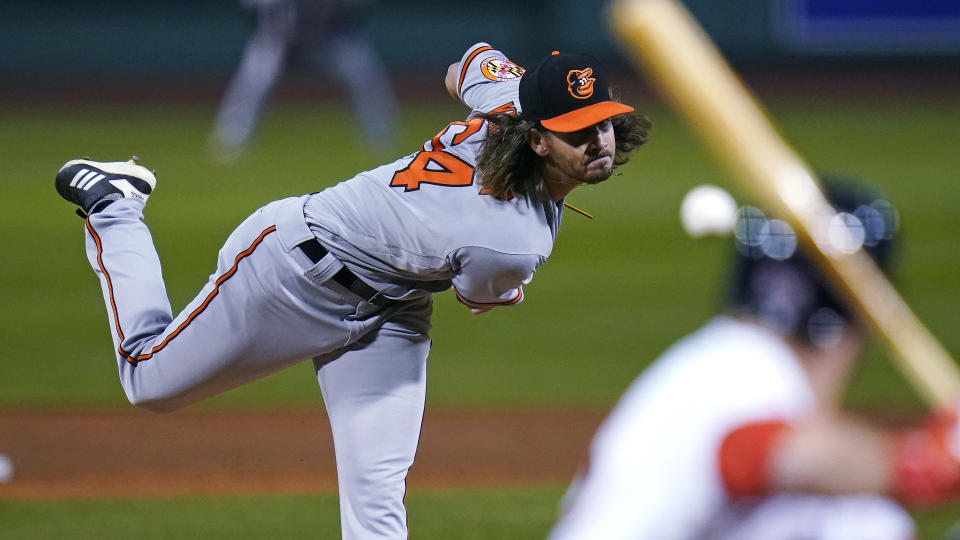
(268,307)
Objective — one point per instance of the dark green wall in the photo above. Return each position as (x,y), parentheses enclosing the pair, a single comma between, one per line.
(203,38)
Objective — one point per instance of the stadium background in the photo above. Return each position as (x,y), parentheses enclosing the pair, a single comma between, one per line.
(864,87)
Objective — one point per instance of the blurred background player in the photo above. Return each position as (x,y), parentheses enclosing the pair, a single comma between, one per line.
(326,34)
(736,431)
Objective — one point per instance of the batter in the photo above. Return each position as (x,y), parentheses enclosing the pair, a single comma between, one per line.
(737,431)
(346,276)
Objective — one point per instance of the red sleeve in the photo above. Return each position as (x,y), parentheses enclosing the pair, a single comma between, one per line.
(744,457)
(924,470)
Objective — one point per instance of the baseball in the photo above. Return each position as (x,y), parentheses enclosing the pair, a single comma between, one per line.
(6,469)
(708,210)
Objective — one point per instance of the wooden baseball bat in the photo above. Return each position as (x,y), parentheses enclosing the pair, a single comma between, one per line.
(664,38)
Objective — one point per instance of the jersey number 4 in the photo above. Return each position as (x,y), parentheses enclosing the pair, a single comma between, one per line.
(436,166)
(442,168)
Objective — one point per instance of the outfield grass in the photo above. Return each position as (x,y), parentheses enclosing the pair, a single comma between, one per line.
(502,514)
(507,514)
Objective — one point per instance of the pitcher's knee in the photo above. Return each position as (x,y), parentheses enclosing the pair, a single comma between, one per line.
(152,399)
(154,404)
(148,388)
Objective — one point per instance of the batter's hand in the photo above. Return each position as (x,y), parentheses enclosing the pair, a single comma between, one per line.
(927,462)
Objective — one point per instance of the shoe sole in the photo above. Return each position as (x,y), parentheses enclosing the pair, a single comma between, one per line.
(117,168)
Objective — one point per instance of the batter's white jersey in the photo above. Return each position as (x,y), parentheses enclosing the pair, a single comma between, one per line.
(422,223)
(653,470)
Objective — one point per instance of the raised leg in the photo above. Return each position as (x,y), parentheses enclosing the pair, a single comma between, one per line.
(257,314)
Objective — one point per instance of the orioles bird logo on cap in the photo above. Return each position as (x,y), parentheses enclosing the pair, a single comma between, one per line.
(580,83)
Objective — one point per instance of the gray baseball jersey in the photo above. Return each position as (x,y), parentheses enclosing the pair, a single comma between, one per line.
(422,223)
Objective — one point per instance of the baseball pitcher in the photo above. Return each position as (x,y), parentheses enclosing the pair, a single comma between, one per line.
(346,276)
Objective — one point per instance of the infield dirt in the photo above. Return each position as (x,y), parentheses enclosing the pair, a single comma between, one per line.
(134,453)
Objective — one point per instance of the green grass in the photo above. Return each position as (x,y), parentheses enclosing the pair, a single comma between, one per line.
(505,514)
(617,290)
(502,514)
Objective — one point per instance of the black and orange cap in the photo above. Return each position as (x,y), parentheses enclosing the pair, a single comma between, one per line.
(567,92)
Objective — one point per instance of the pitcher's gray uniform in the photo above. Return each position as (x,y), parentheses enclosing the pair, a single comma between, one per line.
(428,235)
(269,304)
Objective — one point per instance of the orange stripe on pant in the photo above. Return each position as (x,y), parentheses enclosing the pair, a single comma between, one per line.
(113,305)
(216,290)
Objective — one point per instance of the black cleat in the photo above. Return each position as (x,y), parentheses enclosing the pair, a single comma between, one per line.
(92,185)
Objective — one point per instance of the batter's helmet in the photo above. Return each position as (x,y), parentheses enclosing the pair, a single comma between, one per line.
(778,285)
